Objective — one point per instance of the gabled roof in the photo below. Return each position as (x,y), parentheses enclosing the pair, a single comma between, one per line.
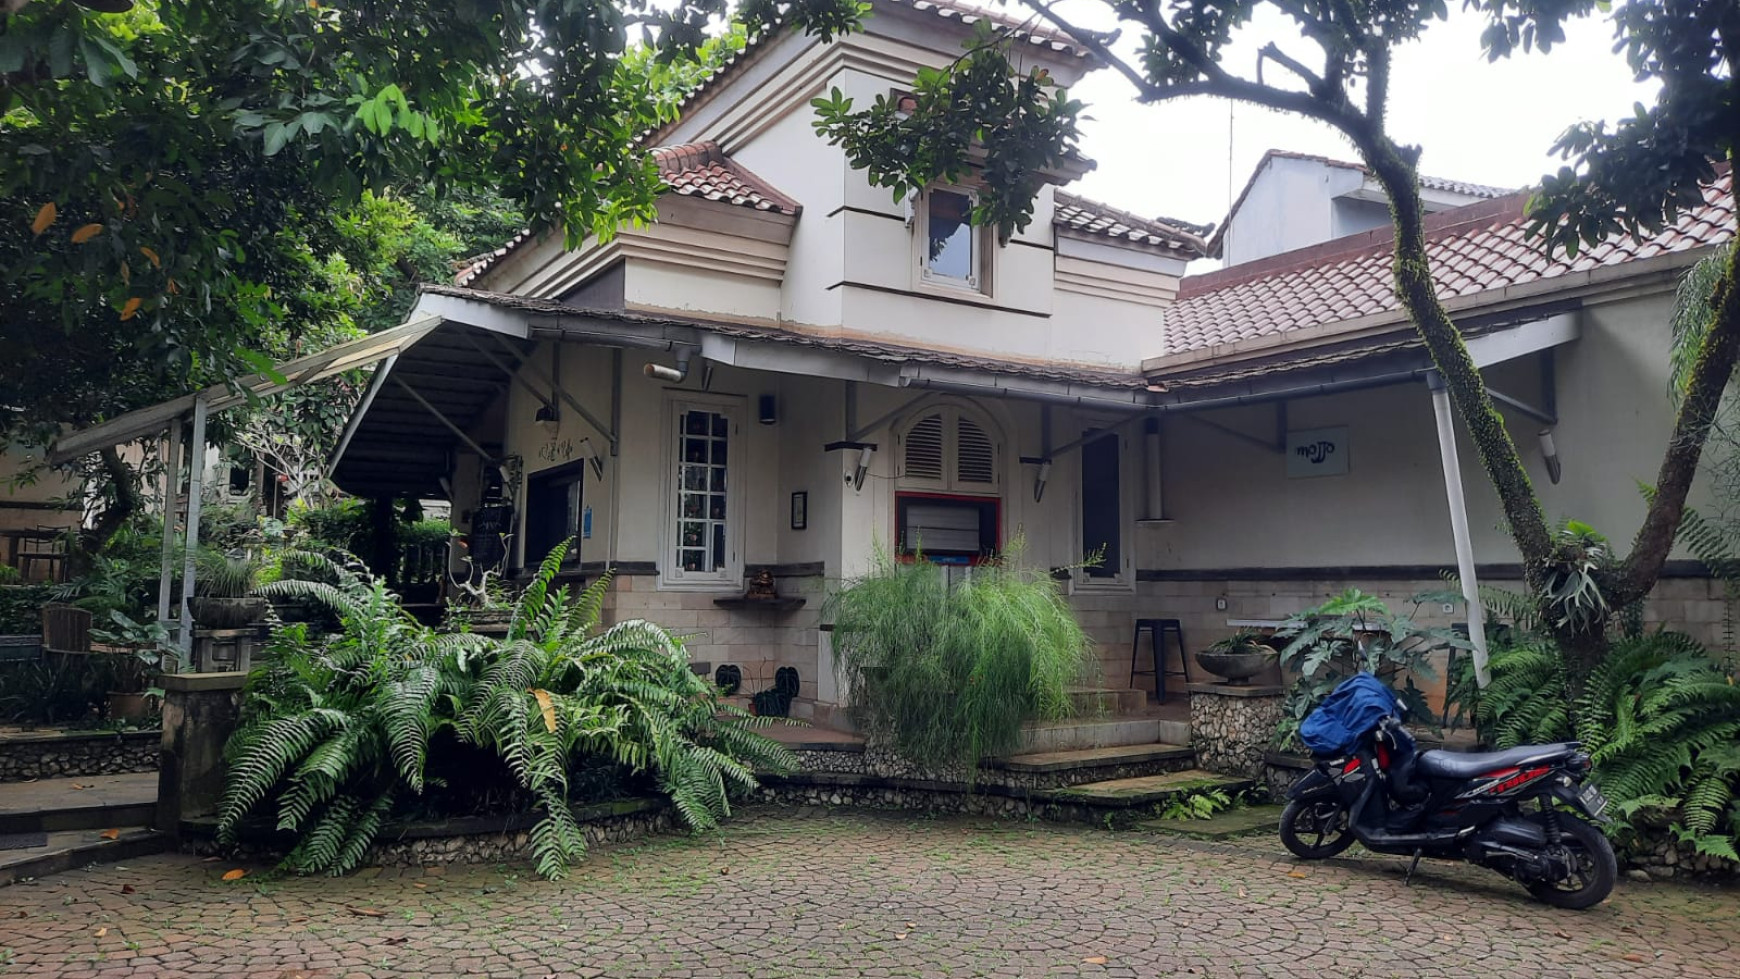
(1482,247)
(1444,184)
(691,170)
(1094,218)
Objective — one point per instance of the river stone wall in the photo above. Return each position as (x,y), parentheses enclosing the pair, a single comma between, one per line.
(1231,726)
(28,755)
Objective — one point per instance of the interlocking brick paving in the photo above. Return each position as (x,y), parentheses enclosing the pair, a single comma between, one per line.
(781,893)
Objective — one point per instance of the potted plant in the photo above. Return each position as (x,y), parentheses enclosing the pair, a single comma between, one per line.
(136,658)
(223,593)
(1238,657)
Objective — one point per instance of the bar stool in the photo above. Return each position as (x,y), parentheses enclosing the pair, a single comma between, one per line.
(1158,630)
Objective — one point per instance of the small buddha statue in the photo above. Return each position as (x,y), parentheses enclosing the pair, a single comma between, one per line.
(761,586)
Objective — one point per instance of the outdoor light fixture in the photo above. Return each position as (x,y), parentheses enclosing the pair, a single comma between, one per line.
(769,410)
(863,467)
(548,420)
(1551,454)
(592,456)
(1040,479)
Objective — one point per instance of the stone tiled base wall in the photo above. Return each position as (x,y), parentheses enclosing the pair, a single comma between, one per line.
(932,798)
(756,641)
(1690,605)
(25,756)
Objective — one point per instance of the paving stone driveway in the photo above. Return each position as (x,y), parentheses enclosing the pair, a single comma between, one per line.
(809,893)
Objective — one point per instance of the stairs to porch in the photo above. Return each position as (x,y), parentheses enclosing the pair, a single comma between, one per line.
(56,824)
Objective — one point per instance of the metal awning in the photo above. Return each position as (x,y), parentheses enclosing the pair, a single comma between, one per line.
(149,422)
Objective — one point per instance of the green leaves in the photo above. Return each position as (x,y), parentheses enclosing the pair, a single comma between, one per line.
(338,731)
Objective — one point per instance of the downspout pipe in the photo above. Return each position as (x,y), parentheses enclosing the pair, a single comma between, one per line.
(672,375)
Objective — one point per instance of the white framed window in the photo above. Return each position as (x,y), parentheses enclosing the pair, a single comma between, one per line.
(951,250)
(704,519)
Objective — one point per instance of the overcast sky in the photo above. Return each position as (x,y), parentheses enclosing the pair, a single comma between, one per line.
(1487,123)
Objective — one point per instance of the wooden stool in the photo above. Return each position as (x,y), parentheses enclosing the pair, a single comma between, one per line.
(1158,630)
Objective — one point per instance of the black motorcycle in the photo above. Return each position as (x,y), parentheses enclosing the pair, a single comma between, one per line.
(1461,806)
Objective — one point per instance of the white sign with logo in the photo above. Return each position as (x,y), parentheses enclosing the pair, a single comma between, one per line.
(1317,452)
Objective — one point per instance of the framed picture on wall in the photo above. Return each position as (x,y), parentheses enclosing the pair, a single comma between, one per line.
(800,510)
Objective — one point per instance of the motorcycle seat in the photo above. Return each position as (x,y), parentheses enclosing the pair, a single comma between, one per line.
(1468,764)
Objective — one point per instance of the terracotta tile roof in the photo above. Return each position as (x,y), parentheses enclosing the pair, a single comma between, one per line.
(1428,182)
(1473,249)
(691,170)
(850,345)
(703,170)
(1031,29)
(1092,217)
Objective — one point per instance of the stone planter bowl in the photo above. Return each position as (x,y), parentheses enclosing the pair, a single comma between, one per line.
(1236,668)
(226,613)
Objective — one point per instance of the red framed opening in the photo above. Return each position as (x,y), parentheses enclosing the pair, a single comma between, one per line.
(948,528)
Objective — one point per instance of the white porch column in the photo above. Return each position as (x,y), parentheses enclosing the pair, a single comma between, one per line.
(1459,524)
(171,483)
(195,479)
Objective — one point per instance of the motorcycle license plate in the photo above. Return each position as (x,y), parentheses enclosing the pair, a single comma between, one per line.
(1593,801)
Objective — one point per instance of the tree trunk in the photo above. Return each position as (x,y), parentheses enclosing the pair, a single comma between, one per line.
(123,504)
(1679,466)
(1419,297)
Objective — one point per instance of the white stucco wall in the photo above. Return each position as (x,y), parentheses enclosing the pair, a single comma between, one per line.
(1233,506)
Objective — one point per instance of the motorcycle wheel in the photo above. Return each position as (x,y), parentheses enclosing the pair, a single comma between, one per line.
(1593,871)
(1315,830)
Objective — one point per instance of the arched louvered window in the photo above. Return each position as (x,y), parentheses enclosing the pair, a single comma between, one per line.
(947,448)
(949,507)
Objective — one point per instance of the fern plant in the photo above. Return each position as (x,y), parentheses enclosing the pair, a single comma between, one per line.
(337,733)
(1660,718)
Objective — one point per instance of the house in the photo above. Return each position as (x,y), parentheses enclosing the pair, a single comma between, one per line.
(789,370)
(34,514)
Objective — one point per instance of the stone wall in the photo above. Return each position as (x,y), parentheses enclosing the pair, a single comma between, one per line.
(29,755)
(878,761)
(468,840)
(1231,726)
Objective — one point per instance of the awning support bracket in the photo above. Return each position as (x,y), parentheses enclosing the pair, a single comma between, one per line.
(542,378)
(443,419)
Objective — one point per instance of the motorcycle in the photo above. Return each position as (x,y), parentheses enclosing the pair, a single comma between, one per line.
(1472,806)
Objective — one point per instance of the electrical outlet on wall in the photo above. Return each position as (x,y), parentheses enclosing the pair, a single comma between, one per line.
(1220,604)
(1448,608)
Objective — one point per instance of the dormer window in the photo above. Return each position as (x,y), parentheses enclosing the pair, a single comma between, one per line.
(951,252)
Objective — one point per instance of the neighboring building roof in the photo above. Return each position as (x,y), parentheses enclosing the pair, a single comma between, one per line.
(1092,217)
(691,170)
(1444,184)
(1473,249)
(850,345)
(703,170)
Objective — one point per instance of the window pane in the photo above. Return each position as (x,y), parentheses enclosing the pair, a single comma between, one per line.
(950,249)
(701,501)
(1101,518)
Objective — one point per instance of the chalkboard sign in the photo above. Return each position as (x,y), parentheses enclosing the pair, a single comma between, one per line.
(490,529)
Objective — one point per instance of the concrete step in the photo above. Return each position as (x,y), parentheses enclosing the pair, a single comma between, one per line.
(1244,821)
(1148,790)
(1042,762)
(69,849)
(83,803)
(1078,733)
